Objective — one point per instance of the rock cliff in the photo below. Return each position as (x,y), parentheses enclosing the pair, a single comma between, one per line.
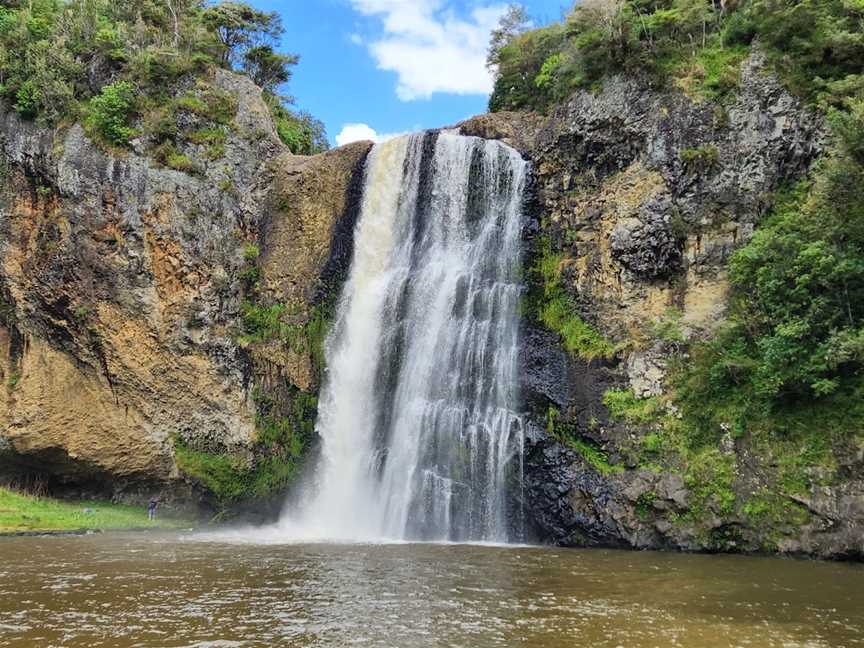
(161,327)
(646,194)
(122,288)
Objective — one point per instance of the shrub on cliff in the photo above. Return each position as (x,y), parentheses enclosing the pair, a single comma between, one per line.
(63,60)
(817,45)
(790,361)
(801,279)
(110,112)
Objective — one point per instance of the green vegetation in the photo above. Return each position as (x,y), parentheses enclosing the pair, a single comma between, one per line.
(21,512)
(556,309)
(231,477)
(645,505)
(624,405)
(791,356)
(284,427)
(116,67)
(566,433)
(668,328)
(300,330)
(110,112)
(285,419)
(816,45)
(700,158)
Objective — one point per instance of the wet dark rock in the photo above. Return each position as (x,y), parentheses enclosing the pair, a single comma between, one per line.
(568,502)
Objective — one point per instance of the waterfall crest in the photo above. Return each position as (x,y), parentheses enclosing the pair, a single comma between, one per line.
(419,412)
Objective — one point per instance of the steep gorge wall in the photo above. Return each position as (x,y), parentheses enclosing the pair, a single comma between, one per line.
(643,195)
(122,286)
(145,311)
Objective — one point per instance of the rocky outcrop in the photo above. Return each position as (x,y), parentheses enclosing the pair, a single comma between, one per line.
(122,283)
(646,194)
(653,191)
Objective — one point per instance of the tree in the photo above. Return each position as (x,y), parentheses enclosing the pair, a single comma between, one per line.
(241,27)
(518,65)
(515,21)
(267,68)
(110,112)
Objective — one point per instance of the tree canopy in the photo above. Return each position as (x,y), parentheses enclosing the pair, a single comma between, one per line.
(107,62)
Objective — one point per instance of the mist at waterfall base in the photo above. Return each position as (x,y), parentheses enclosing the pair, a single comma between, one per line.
(421,434)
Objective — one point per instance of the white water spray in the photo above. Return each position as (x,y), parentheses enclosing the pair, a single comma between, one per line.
(419,414)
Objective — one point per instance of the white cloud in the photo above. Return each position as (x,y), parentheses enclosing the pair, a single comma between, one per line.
(357,132)
(432,48)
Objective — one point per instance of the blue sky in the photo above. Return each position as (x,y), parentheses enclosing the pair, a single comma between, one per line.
(377,67)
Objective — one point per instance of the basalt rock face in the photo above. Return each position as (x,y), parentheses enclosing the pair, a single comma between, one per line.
(647,185)
(121,287)
(648,193)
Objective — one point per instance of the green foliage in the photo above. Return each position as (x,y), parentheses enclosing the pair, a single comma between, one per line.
(645,505)
(668,328)
(814,43)
(262,323)
(625,406)
(23,512)
(213,138)
(300,330)
(547,72)
(817,45)
(518,65)
(785,375)
(208,102)
(64,60)
(710,479)
(285,424)
(566,433)
(180,162)
(556,309)
(701,158)
(232,478)
(299,131)
(712,73)
(251,252)
(267,68)
(240,27)
(226,476)
(797,327)
(599,38)
(110,113)
(594,456)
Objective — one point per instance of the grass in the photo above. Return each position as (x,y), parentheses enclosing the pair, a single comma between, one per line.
(231,478)
(623,405)
(300,331)
(712,73)
(22,513)
(594,456)
(564,432)
(556,309)
(700,158)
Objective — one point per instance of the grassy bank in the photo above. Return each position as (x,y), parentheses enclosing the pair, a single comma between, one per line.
(21,513)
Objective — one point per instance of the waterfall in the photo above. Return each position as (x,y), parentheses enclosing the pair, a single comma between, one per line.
(419,413)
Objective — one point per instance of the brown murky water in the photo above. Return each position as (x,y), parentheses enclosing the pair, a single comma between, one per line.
(165,591)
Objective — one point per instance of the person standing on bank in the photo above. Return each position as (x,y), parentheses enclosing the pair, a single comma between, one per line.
(151,508)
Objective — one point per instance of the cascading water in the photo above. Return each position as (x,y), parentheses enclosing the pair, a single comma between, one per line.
(419,420)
